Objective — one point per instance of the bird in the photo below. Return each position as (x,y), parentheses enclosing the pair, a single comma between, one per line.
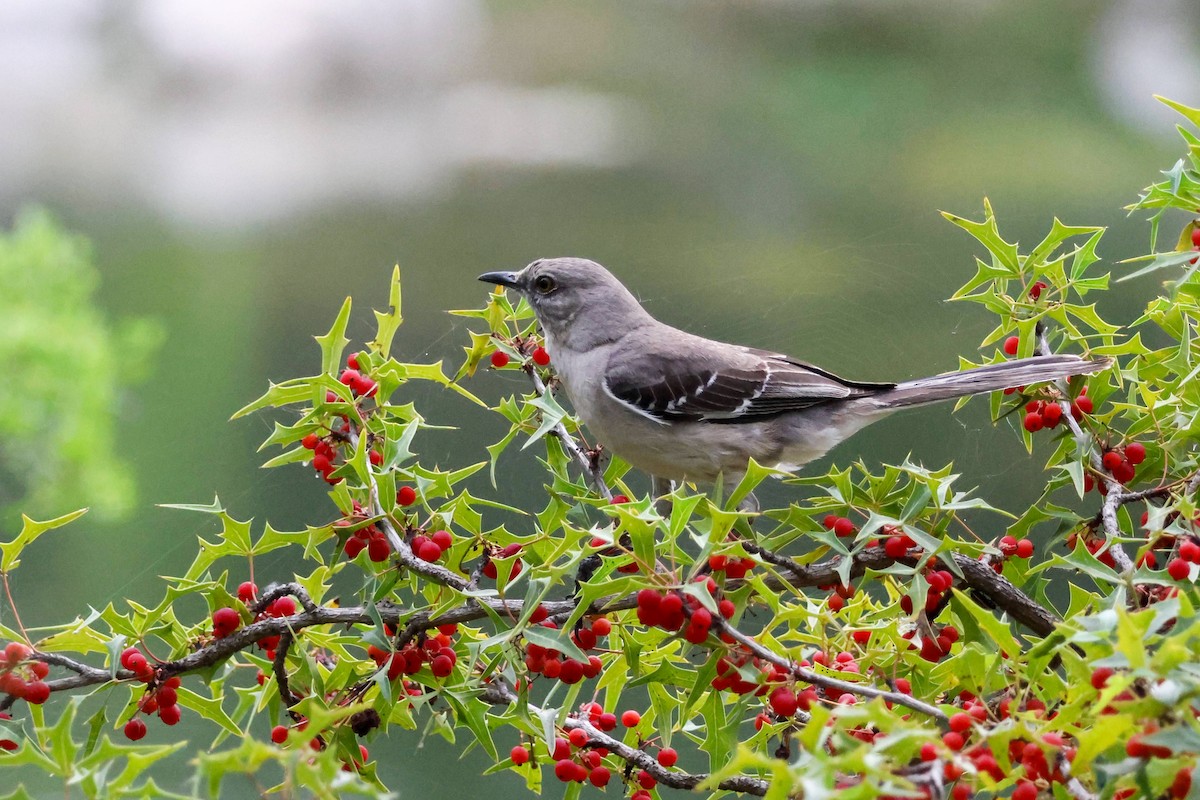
(681,407)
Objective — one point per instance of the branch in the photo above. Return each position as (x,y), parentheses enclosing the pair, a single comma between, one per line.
(675,779)
(976,574)
(824,681)
(591,469)
(1108,509)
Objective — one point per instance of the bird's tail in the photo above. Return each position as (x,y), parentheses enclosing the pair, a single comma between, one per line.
(990,378)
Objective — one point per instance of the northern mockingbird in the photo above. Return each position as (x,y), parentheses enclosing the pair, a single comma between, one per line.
(682,407)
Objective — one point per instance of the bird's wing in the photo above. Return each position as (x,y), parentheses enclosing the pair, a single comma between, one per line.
(721,384)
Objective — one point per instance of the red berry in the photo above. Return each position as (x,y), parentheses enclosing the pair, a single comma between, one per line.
(1135,452)
(1182,785)
(564,770)
(1024,548)
(830,520)
(349,376)
(961,722)
(1051,414)
(169,714)
(953,740)
(499,359)
(378,549)
(1112,460)
(135,729)
(844,527)
(1083,403)
(783,702)
(1100,676)
(1012,344)
(895,547)
(519,755)
(1190,551)
(441,666)
(562,749)
(309,442)
(577,737)
(166,696)
(247,591)
(133,660)
(16,652)
(279,734)
(353,547)
(601,626)
(667,757)
(1033,422)
(375,457)
(429,551)
(36,692)
(607,721)
(282,607)
(571,671)
(1178,569)
(1196,237)
(1035,291)
(619,499)
(406,496)
(442,539)
(225,621)
(1026,790)
(599,776)
(541,357)
(630,718)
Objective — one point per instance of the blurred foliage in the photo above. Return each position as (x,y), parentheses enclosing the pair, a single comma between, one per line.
(66,368)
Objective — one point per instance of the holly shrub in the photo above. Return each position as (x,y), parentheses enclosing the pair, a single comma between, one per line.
(860,642)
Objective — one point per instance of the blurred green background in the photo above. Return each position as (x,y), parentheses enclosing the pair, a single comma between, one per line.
(767,172)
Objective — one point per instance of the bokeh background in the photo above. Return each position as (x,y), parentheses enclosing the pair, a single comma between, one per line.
(767,171)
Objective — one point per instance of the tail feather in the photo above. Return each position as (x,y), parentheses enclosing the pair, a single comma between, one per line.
(990,378)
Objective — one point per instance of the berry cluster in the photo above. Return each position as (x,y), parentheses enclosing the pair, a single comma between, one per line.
(430,548)
(1180,567)
(671,610)
(325,448)
(1121,462)
(22,678)
(842,527)
(361,384)
(1046,413)
(548,662)
(1011,546)
(226,620)
(575,761)
(437,651)
(160,697)
(577,758)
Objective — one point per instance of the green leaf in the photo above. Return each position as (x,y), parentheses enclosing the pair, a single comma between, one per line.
(389,322)
(333,343)
(10,552)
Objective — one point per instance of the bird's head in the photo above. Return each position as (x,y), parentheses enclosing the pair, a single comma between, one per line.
(578,302)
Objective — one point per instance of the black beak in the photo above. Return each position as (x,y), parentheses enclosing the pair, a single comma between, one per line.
(509,279)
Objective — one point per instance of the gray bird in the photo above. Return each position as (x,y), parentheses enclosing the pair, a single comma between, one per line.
(682,407)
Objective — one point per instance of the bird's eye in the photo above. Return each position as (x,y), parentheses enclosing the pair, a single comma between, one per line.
(545,284)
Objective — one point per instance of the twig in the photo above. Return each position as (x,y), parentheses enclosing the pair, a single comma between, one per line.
(824,681)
